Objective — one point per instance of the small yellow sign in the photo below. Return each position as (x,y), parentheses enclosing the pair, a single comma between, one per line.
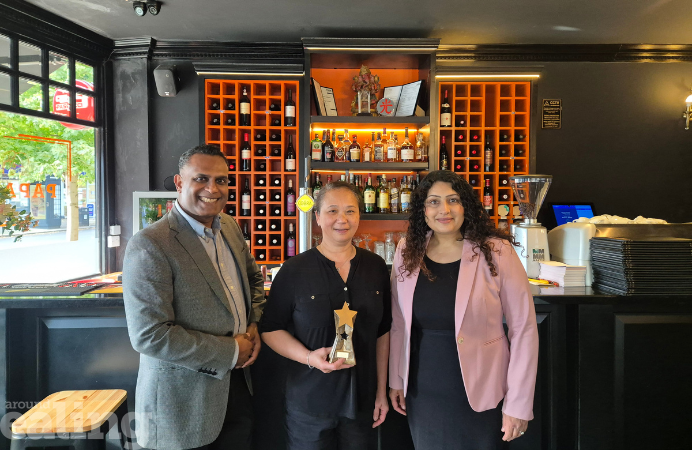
(305,203)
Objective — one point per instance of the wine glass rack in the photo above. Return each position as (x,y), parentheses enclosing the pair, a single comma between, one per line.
(268,177)
(500,111)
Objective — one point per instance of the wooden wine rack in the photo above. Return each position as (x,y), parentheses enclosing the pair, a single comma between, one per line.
(230,137)
(493,109)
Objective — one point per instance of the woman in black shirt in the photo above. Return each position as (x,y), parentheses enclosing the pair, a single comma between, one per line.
(332,405)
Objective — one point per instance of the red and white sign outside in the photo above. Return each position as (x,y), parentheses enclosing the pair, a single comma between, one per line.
(85,104)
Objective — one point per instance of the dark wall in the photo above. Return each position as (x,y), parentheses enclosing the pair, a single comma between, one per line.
(175,124)
(622,145)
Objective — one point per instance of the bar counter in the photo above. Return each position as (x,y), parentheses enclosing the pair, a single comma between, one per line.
(613,370)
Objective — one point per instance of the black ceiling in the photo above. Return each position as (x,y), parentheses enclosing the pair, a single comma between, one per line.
(455,22)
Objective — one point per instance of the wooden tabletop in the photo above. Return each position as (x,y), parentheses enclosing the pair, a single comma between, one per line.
(70,412)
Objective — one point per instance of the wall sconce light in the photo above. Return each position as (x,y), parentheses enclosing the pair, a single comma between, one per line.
(688,111)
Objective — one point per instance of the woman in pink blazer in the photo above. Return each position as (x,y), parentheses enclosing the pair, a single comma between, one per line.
(451,366)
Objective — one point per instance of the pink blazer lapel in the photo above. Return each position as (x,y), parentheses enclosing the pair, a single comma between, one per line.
(467,274)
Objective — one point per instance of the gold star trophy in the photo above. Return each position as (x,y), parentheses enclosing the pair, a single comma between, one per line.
(343,342)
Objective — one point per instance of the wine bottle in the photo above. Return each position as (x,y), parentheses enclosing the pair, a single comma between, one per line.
(290,241)
(460,136)
(458,167)
(519,137)
(275,210)
(445,113)
(290,111)
(214,104)
(231,210)
(503,152)
(473,182)
(261,210)
(328,148)
(231,195)
(504,167)
(517,166)
(407,150)
(504,137)
(261,196)
(488,154)
(276,151)
(444,158)
(246,235)
(245,152)
(475,136)
(474,152)
(244,109)
(230,105)
(474,167)
(231,167)
(274,241)
(261,151)
(259,240)
(276,122)
(261,255)
(261,166)
(275,225)
(275,105)
(369,197)
(275,136)
(276,196)
(316,147)
(504,182)
(290,155)
(230,120)
(215,121)
(276,181)
(488,197)
(317,186)
(245,199)
(259,225)
(260,136)
(262,182)
(459,152)
(354,149)
(504,197)
(519,152)
(461,123)
(290,199)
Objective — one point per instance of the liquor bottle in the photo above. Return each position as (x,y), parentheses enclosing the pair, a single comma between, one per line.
(261,210)
(275,210)
(488,197)
(244,109)
(261,196)
(367,149)
(378,148)
(329,179)
(346,144)
(316,146)
(275,136)
(231,195)
(275,225)
(246,235)
(259,240)
(245,153)
(474,152)
(214,104)
(339,150)
(489,157)
(474,167)
(290,242)
(259,225)
(392,155)
(317,186)
(416,182)
(408,153)
(276,122)
(276,181)
(328,148)
(290,199)
(369,196)
(474,136)
(445,113)
(230,120)
(276,196)
(275,105)
(290,155)
(421,149)
(290,111)
(260,136)
(394,205)
(215,121)
(460,136)
(276,151)
(261,151)
(245,199)
(354,149)
(383,196)
(230,105)
(405,196)
(444,158)
(519,137)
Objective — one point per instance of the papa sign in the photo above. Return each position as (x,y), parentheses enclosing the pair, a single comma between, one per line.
(38,192)
(85,104)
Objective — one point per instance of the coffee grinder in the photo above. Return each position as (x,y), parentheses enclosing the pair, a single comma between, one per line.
(532,238)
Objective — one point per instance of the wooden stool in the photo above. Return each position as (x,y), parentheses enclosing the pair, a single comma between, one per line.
(78,419)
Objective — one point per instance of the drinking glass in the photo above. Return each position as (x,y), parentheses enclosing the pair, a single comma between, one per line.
(389,247)
(357,240)
(367,237)
(379,249)
(316,238)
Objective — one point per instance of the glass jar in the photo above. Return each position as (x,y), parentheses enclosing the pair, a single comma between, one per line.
(379,249)
(389,247)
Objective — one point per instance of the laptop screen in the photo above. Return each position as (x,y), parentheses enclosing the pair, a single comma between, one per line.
(567,213)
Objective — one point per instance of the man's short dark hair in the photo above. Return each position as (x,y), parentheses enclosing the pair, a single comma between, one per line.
(211,150)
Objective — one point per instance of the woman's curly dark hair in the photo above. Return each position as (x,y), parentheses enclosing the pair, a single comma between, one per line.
(477,226)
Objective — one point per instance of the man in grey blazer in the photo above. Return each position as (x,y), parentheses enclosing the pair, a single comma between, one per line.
(193,296)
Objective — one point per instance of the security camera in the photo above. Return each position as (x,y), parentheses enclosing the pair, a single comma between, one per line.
(140,8)
(154,7)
